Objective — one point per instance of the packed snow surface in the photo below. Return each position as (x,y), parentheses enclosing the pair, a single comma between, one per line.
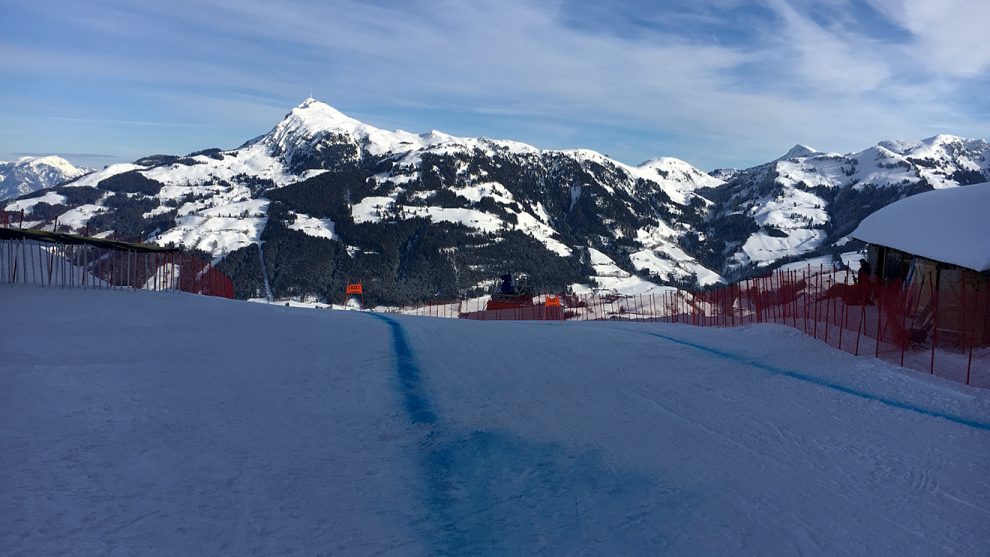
(143,423)
(949,225)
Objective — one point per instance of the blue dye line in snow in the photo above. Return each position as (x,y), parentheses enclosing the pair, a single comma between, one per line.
(414,398)
(827,384)
(493,492)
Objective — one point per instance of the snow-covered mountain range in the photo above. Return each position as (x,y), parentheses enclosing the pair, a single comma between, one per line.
(28,174)
(808,200)
(332,199)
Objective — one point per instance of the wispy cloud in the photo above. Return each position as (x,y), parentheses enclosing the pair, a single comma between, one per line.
(637,80)
(131,122)
(951,35)
(827,59)
(80,155)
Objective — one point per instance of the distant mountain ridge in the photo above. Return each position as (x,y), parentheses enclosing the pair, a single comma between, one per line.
(325,198)
(29,174)
(807,200)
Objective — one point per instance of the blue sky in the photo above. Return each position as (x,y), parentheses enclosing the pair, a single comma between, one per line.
(715,82)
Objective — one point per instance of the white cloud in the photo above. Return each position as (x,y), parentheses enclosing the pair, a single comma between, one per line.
(842,63)
(951,34)
(794,79)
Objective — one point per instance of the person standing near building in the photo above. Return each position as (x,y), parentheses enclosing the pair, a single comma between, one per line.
(865,272)
(864,278)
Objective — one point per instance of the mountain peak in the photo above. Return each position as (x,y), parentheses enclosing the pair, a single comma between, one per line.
(28,174)
(799,151)
(316,114)
(937,146)
(678,175)
(310,120)
(942,139)
(662,162)
(51,161)
(313,120)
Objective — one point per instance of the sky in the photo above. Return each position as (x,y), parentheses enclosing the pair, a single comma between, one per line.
(718,83)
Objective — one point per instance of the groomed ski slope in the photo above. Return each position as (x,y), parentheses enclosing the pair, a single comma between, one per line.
(173,424)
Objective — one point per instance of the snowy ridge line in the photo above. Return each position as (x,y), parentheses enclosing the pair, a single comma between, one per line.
(985,426)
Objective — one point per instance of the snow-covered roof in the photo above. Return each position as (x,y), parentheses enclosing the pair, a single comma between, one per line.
(948,225)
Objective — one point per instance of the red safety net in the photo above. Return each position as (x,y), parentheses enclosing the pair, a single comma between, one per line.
(939,326)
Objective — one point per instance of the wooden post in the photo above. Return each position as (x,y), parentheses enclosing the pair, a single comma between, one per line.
(842,322)
(34,276)
(934,325)
(861,327)
(51,261)
(795,307)
(828,306)
(879,319)
(972,337)
(774,297)
(23,263)
(969,335)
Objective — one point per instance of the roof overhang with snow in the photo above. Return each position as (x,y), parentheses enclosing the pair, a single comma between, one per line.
(949,225)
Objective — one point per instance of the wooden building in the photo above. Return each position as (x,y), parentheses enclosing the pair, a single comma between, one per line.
(938,244)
